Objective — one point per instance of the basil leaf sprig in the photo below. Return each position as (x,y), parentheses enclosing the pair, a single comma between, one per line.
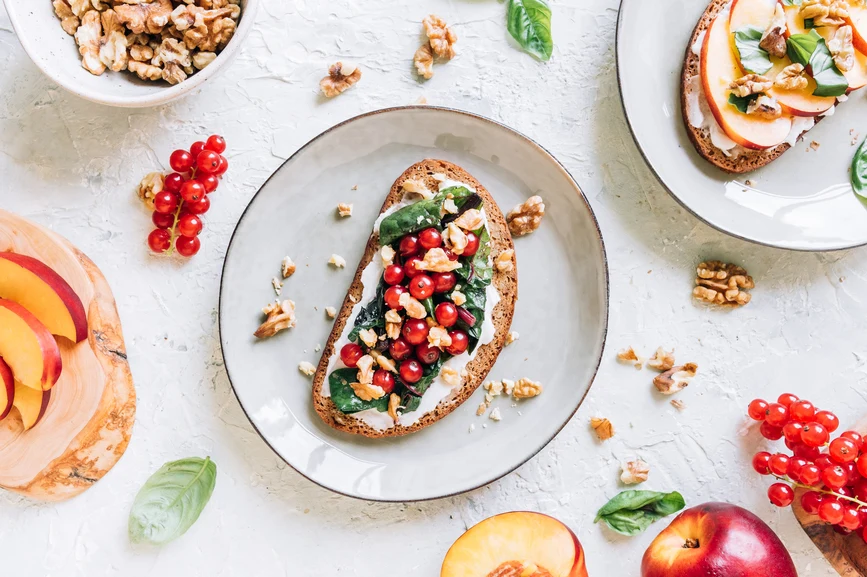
(171,500)
(859,170)
(792,2)
(529,23)
(631,512)
(754,58)
(810,50)
(742,103)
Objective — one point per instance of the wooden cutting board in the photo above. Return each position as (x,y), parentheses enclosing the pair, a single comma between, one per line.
(89,419)
(847,554)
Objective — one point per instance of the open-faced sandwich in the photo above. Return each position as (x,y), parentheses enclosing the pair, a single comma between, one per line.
(428,311)
(759,74)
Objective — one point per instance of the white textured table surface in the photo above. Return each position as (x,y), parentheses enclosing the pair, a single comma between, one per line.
(73,166)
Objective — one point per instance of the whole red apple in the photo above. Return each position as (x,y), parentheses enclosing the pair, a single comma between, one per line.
(717,539)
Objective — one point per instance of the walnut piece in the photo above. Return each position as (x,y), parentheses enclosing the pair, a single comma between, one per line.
(365,370)
(436,260)
(415,186)
(494,388)
(337,260)
(495,415)
(661,360)
(367,391)
(331,312)
(675,379)
(750,84)
(307,368)
(765,107)
(423,61)
(722,284)
(792,77)
(148,17)
(451,376)
(414,308)
(68,20)
(678,404)
(344,209)
(383,361)
(634,472)
(842,49)
(113,46)
(88,37)
(368,337)
(825,12)
(459,298)
(340,77)
(442,38)
(774,39)
(603,427)
(519,569)
(211,29)
(439,337)
(470,220)
(526,389)
(393,406)
(387,255)
(628,356)
(456,239)
(392,324)
(151,185)
(287,267)
(526,218)
(505,261)
(280,316)
(141,53)
(512,337)
(145,71)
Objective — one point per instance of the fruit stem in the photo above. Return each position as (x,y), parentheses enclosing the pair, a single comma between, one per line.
(177,216)
(691,544)
(823,491)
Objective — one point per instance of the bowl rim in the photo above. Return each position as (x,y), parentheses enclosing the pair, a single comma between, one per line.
(160,96)
(606,301)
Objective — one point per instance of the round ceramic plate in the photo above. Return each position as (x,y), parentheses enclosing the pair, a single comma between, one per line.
(562,313)
(800,201)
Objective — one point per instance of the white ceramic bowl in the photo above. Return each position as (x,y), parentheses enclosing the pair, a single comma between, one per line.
(56,54)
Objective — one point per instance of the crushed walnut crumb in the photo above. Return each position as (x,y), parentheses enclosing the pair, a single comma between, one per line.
(331,312)
(337,260)
(675,379)
(661,360)
(340,77)
(280,316)
(307,368)
(277,284)
(287,267)
(344,209)
(512,337)
(678,404)
(495,415)
(634,472)
(628,356)
(603,428)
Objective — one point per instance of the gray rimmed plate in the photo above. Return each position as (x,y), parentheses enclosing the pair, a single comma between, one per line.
(561,315)
(801,201)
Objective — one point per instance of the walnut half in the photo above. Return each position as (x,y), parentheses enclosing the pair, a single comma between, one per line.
(722,284)
(526,218)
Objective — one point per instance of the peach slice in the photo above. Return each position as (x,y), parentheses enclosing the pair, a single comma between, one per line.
(758,13)
(718,66)
(519,543)
(28,347)
(32,284)
(31,404)
(7,389)
(858,21)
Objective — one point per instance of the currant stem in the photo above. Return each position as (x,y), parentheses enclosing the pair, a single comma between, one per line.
(823,491)
(177,216)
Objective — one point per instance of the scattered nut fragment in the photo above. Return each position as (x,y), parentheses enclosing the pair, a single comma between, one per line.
(423,61)
(287,267)
(340,77)
(774,38)
(505,261)
(151,185)
(508,387)
(383,361)
(367,391)
(678,404)
(675,379)
(765,107)
(634,472)
(842,48)
(512,337)
(280,316)
(368,337)
(337,260)
(415,186)
(442,38)
(278,286)
(455,239)
(459,298)
(449,206)
(722,284)
(792,77)
(825,12)
(494,388)
(750,84)
(393,405)
(344,209)
(414,308)
(526,218)
(365,370)
(451,376)
(661,360)
(603,427)
(439,337)
(470,220)
(436,260)
(387,254)
(628,356)
(495,415)
(482,408)
(525,389)
(307,368)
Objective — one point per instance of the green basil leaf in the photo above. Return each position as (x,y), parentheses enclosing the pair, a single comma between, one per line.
(344,397)
(753,57)
(529,23)
(859,170)
(742,103)
(829,80)
(171,500)
(800,47)
(631,512)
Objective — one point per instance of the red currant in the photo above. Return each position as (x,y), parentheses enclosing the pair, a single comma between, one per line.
(166,202)
(400,349)
(197,148)
(208,161)
(828,420)
(384,379)
(411,371)
(392,297)
(350,354)
(224,166)
(446,314)
(786,399)
(781,494)
(159,240)
(809,453)
(855,438)
(451,255)
(831,511)
(761,463)
(181,161)
(852,472)
(777,415)
(803,411)
(393,274)
(823,462)
(415,331)
(444,281)
(859,490)
(408,245)
(411,266)
(779,464)
(842,450)
(460,343)
(216,143)
(427,353)
(421,286)
(757,410)
(187,246)
(472,244)
(862,465)
(192,190)
(163,220)
(430,238)
(810,475)
(793,470)
(770,432)
(200,206)
(210,182)
(792,432)
(189,225)
(814,435)
(173,182)
(810,501)
(835,477)
(851,518)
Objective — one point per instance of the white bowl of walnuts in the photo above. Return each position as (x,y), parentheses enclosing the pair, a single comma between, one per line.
(131,54)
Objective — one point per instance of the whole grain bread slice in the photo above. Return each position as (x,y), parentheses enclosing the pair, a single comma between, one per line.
(506,284)
(747,160)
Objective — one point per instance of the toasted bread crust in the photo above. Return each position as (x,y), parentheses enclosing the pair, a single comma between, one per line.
(747,160)
(486,355)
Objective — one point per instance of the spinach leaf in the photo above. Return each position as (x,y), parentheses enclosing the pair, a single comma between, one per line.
(479,272)
(631,512)
(419,215)
(344,397)
(753,57)
(742,103)
(372,315)
(800,47)
(829,80)
(429,307)
(476,299)
(459,194)
(529,23)
(171,500)
(859,170)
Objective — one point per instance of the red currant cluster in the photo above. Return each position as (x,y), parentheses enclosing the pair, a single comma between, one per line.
(831,470)
(178,209)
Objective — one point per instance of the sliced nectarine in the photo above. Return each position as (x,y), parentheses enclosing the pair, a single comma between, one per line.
(719,66)
(7,389)
(799,102)
(32,284)
(28,347)
(758,13)
(858,21)
(522,542)
(31,404)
